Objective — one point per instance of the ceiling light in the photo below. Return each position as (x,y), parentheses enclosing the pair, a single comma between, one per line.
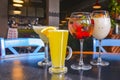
(60,24)
(18,1)
(67,18)
(17,11)
(63,21)
(96,5)
(18,5)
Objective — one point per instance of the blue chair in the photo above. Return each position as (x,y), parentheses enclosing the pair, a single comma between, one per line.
(106,42)
(21,42)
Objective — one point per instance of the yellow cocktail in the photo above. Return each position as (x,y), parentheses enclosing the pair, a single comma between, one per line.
(58,45)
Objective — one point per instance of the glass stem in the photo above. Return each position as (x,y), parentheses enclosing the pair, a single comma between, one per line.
(46,52)
(99,56)
(99,72)
(81,74)
(81,52)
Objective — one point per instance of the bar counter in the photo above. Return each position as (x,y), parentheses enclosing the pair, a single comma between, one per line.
(26,68)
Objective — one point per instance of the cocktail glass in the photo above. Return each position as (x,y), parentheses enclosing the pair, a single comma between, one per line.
(101,29)
(80,27)
(42,32)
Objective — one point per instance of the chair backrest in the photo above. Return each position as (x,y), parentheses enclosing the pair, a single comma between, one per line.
(106,42)
(20,42)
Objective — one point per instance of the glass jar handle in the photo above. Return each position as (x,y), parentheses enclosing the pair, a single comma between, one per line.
(69,53)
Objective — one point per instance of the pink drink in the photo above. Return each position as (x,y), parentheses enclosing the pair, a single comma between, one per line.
(80,30)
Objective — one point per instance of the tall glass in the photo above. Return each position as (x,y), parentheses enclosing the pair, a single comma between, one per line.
(38,30)
(58,46)
(80,27)
(101,29)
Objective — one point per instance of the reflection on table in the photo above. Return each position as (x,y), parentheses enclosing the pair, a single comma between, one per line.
(26,68)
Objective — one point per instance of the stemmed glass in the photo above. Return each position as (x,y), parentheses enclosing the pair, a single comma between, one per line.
(101,29)
(38,30)
(80,27)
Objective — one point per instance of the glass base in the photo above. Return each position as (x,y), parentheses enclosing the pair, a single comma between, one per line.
(102,63)
(58,70)
(43,63)
(81,67)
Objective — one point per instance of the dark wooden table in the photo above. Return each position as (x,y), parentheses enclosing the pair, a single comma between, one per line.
(26,68)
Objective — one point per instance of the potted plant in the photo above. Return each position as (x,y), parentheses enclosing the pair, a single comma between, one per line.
(114,8)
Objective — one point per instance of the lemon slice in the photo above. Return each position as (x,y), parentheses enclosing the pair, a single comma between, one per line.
(46,29)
